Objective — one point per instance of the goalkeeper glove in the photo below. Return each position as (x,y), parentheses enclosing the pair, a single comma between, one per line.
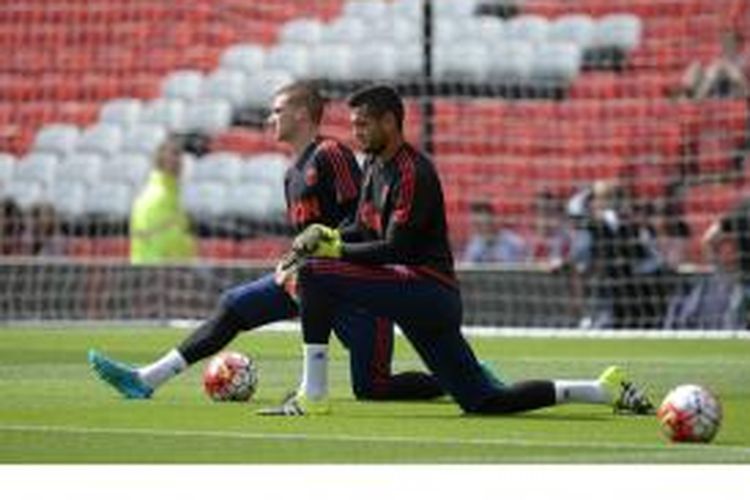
(319,241)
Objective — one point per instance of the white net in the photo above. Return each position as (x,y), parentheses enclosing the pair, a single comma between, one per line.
(585,147)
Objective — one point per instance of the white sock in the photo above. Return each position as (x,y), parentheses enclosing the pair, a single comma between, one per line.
(580,391)
(163,369)
(315,371)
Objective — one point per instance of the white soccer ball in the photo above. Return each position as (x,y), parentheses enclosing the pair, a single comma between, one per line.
(230,376)
(690,413)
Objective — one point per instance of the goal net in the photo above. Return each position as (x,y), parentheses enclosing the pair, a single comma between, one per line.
(585,148)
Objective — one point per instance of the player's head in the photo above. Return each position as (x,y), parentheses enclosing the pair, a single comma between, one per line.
(296,109)
(169,155)
(377,116)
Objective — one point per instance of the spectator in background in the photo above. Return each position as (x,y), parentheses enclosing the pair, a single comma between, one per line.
(727,244)
(11,228)
(491,240)
(553,235)
(672,232)
(160,230)
(625,282)
(44,232)
(727,76)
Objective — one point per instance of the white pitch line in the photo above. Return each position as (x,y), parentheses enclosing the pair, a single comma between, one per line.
(742,451)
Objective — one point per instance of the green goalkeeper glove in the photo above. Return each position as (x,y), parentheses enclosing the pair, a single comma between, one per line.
(319,241)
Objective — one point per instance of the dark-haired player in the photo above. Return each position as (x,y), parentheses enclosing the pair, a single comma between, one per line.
(394,260)
(322,186)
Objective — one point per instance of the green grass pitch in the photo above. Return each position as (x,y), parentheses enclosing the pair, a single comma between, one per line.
(52,410)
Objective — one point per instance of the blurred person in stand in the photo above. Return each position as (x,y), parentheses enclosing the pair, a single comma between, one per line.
(492,240)
(45,237)
(12,226)
(726,76)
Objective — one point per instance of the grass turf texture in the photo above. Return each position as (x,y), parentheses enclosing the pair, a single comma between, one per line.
(53,410)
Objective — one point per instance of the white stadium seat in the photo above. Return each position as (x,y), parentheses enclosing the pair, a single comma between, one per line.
(574,28)
(262,85)
(395,30)
(7,168)
(623,31)
(183,84)
(408,10)
(374,61)
(332,61)
(367,10)
(246,57)
(167,112)
(123,112)
(57,138)
(83,167)
(268,168)
(556,62)
(292,58)
(528,28)
(302,31)
(510,61)
(204,198)
(219,166)
(463,61)
(102,138)
(36,167)
(344,30)
(250,199)
(488,29)
(24,192)
(144,138)
(68,197)
(409,60)
(225,84)
(112,199)
(132,168)
(208,115)
(452,9)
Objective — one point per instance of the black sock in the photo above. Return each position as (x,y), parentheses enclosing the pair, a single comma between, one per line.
(523,396)
(407,386)
(213,335)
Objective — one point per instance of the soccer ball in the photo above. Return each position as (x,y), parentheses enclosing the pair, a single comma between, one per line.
(230,376)
(690,413)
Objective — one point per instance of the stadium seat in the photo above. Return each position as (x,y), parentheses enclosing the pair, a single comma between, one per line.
(7,168)
(83,167)
(367,10)
(450,9)
(217,248)
(183,84)
(109,199)
(528,28)
(292,58)
(510,61)
(250,199)
(462,61)
(56,138)
(262,85)
(204,199)
(301,31)
(208,115)
(68,197)
(243,141)
(262,248)
(332,61)
(24,192)
(143,138)
(167,112)
(343,30)
(132,168)
(269,168)
(409,60)
(573,28)
(101,138)
(36,167)
(374,61)
(246,57)
(623,31)
(123,112)
(230,85)
(557,62)
(216,167)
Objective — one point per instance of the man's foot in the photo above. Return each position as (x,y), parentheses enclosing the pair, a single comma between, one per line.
(489,371)
(625,395)
(123,378)
(297,405)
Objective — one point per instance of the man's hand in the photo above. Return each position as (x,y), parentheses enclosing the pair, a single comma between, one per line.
(318,240)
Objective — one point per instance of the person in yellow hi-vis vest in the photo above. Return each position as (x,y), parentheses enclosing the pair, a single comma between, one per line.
(159,226)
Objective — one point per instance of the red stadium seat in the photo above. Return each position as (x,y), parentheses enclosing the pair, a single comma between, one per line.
(217,248)
(262,248)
